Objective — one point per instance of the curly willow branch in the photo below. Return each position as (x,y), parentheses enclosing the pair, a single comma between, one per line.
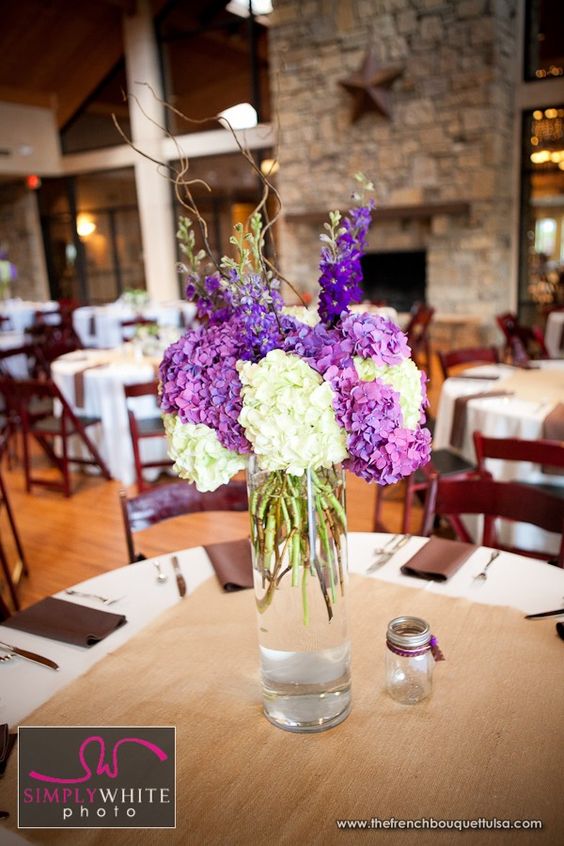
(182,184)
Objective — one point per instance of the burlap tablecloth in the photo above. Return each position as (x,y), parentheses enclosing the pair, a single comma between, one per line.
(489,743)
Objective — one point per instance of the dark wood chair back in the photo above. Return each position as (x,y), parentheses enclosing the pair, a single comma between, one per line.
(545,453)
(142,429)
(467,355)
(521,339)
(509,500)
(174,500)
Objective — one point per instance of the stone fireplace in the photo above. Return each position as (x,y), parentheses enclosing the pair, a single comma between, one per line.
(441,162)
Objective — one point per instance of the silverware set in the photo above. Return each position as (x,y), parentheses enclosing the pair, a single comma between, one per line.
(385,553)
(105,600)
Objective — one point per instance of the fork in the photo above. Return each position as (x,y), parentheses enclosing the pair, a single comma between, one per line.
(384,557)
(7,657)
(481,577)
(106,600)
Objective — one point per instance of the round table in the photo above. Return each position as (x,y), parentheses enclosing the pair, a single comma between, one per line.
(22,312)
(100,326)
(99,376)
(533,394)
(554,334)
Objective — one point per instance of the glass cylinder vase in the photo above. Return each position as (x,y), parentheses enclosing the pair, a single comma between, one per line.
(299,542)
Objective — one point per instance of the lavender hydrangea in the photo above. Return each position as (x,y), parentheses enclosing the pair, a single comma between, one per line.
(201,384)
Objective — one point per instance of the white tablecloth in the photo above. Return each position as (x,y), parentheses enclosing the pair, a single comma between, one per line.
(517,416)
(104,398)
(100,326)
(554,334)
(513,580)
(22,312)
(16,365)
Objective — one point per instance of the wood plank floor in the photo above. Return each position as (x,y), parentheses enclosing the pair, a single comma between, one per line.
(69,540)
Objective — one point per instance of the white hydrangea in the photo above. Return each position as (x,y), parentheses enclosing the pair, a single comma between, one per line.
(404,378)
(198,454)
(305,315)
(288,415)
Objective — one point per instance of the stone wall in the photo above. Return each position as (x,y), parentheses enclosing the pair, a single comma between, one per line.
(450,136)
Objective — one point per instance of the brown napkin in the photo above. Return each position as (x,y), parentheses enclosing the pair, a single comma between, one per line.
(458,426)
(561,346)
(79,384)
(232,563)
(92,329)
(553,430)
(66,621)
(438,560)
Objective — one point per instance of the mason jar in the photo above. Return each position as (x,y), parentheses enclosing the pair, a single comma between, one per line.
(411,652)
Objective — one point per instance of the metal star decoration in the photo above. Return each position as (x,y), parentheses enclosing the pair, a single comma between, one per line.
(369,86)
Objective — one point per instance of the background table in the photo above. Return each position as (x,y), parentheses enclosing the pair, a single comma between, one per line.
(535,393)
(22,312)
(15,365)
(487,744)
(104,398)
(100,326)
(554,334)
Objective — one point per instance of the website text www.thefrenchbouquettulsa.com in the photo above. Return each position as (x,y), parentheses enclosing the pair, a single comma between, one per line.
(430,823)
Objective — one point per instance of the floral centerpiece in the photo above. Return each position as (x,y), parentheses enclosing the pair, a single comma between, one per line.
(8,274)
(293,396)
(135,298)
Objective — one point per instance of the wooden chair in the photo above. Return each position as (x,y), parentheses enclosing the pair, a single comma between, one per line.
(467,355)
(144,427)
(541,452)
(21,563)
(4,610)
(508,500)
(521,339)
(48,427)
(417,331)
(168,501)
(131,325)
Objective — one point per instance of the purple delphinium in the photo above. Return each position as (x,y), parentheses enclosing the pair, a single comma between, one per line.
(257,310)
(340,267)
(200,381)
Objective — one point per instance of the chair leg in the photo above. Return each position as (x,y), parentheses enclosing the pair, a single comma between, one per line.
(81,432)
(8,577)
(13,527)
(66,473)
(26,458)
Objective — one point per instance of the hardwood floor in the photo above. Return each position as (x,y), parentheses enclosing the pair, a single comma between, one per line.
(69,540)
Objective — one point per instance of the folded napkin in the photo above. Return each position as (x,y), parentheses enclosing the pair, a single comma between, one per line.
(7,743)
(458,426)
(66,621)
(438,560)
(92,328)
(232,563)
(553,430)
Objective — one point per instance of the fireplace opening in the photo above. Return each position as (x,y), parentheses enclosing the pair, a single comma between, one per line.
(399,278)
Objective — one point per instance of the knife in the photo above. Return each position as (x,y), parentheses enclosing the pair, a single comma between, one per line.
(559,612)
(180,583)
(30,656)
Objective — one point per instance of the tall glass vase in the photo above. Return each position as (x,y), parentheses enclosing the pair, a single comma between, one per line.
(299,540)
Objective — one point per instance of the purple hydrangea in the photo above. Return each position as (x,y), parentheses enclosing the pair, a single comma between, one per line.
(257,310)
(341,271)
(380,449)
(372,336)
(201,384)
